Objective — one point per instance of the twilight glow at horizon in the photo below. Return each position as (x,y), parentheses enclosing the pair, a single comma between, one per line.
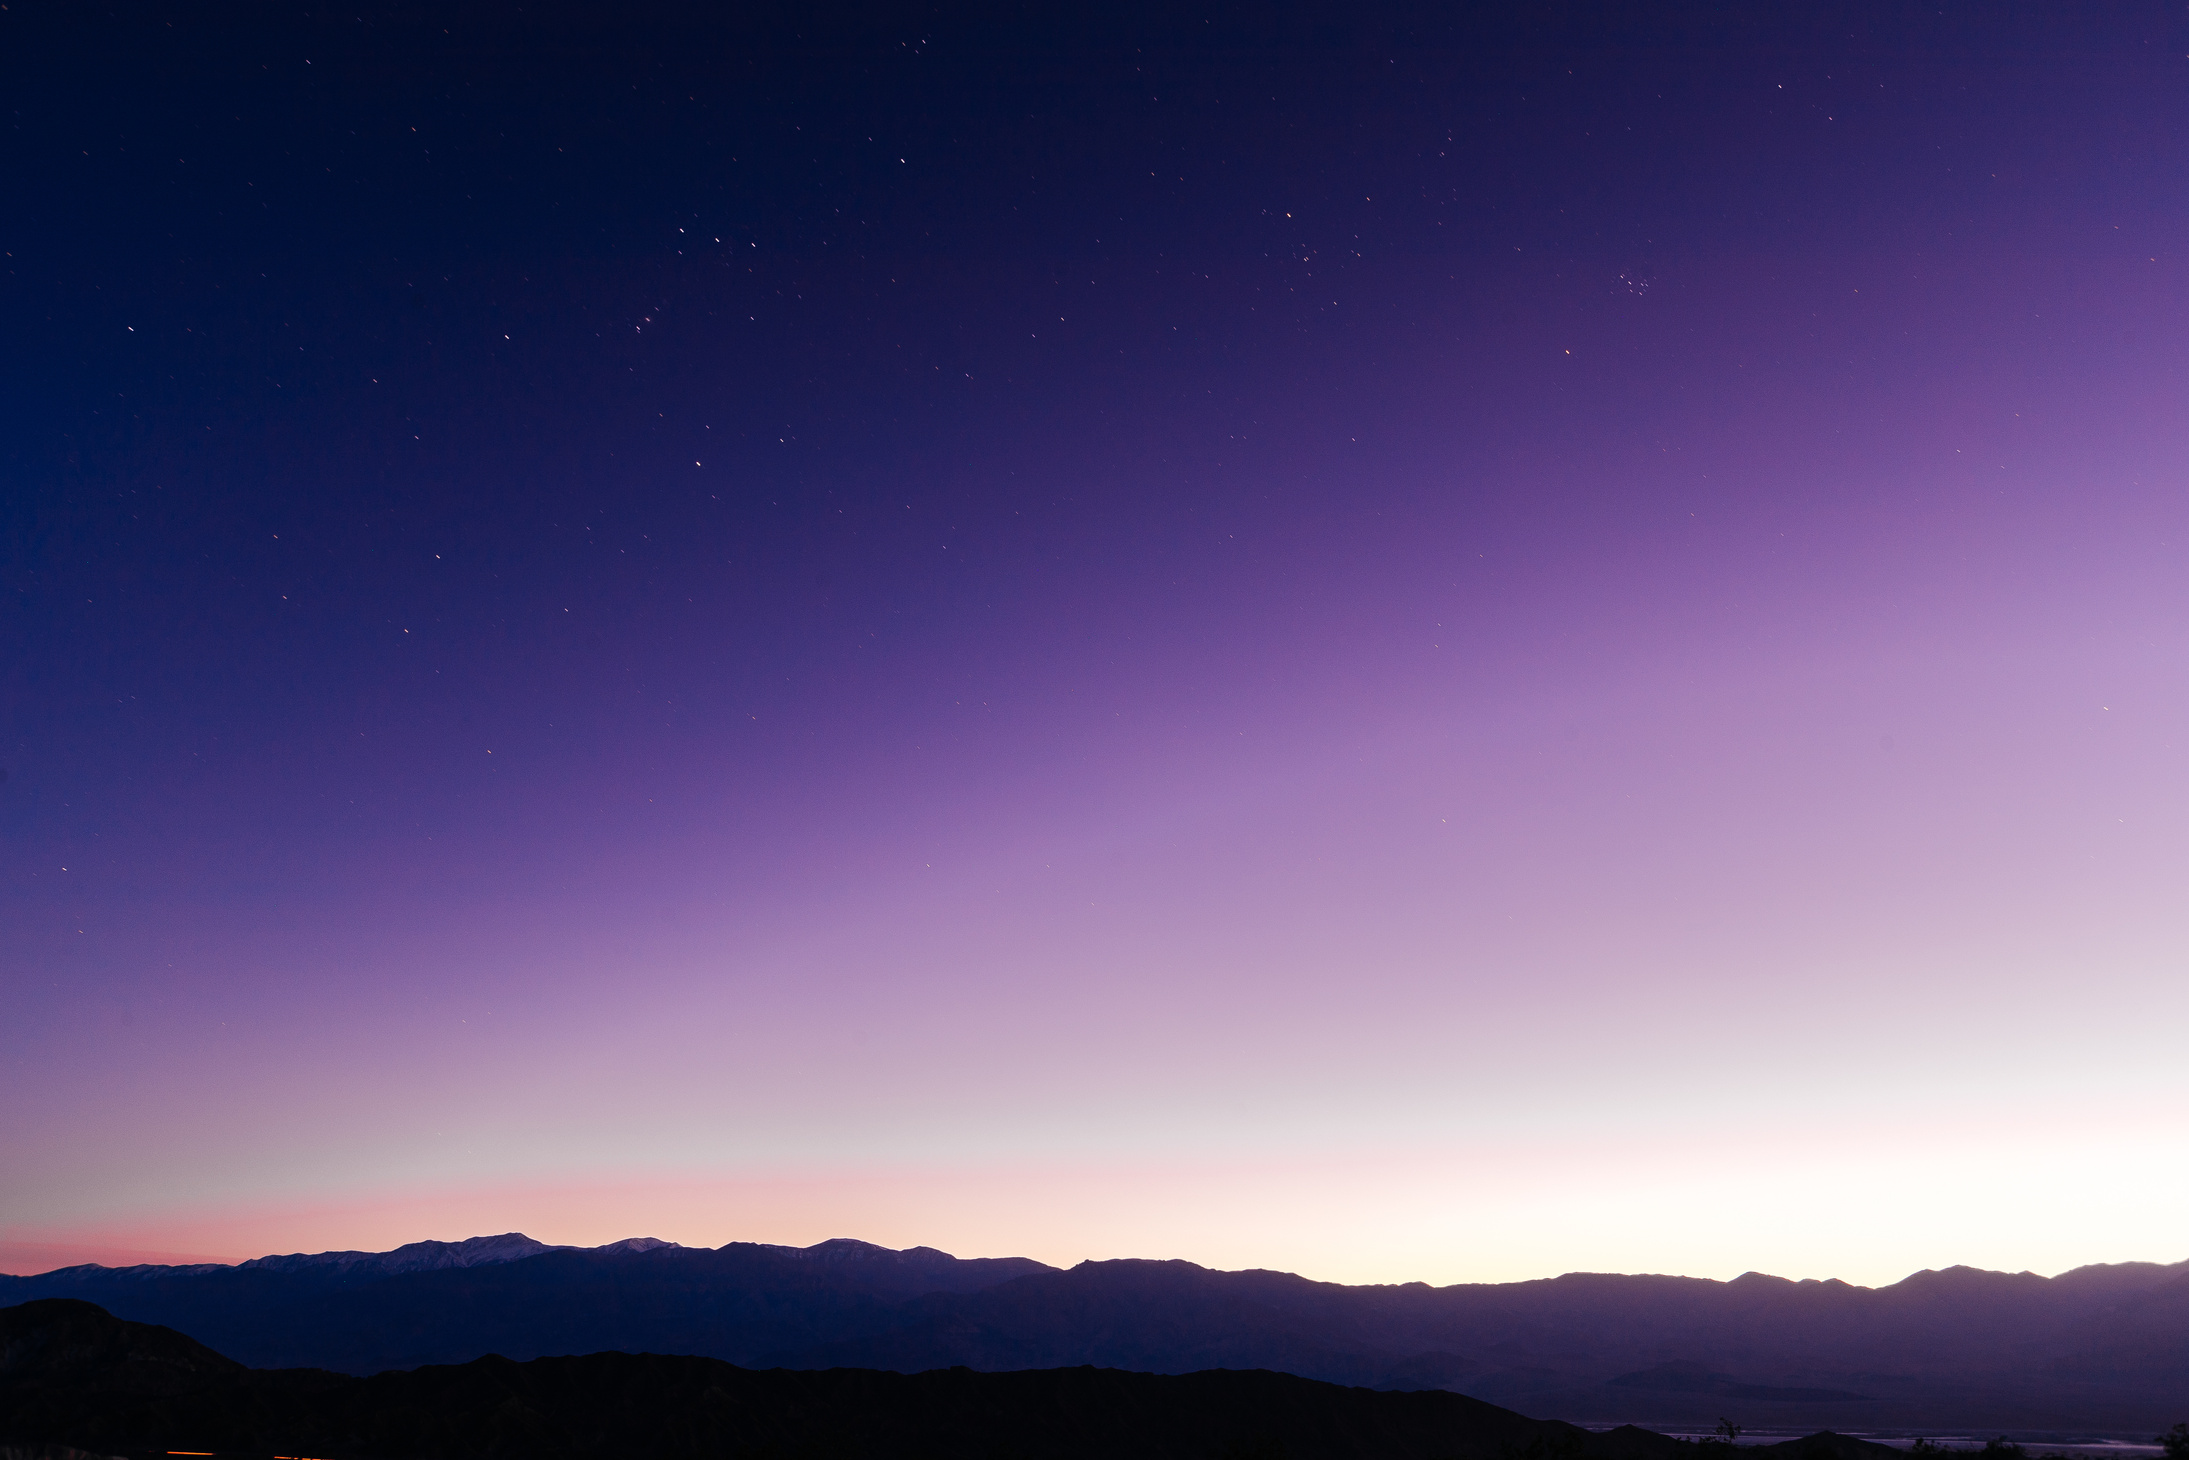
(1397,652)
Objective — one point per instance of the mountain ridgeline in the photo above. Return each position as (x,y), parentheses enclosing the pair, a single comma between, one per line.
(2101,1350)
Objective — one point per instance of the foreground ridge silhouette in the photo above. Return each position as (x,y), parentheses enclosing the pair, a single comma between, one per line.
(71,1374)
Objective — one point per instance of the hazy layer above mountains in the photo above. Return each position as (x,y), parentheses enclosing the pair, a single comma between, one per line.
(2098,1349)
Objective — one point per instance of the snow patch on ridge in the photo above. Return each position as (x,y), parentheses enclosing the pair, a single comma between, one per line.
(414,1256)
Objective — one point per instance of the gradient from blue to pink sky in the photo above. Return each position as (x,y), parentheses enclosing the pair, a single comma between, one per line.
(1619,707)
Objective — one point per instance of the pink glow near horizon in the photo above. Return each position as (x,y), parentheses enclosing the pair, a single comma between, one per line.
(1490,1213)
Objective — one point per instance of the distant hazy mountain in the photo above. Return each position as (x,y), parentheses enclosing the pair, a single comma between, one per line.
(2098,1350)
(430,1256)
(71,1374)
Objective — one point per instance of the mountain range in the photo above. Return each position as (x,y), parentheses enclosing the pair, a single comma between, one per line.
(2100,1350)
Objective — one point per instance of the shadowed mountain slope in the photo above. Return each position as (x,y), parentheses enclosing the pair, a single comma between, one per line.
(2094,1350)
(738,1302)
(53,1390)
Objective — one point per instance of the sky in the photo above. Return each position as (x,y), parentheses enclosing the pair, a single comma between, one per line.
(1430,643)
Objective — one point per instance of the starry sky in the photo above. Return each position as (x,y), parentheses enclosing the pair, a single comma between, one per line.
(1399,643)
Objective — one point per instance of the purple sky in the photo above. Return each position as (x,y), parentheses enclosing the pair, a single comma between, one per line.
(1581,704)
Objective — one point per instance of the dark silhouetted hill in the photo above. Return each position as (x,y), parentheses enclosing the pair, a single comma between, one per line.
(58,1342)
(76,1376)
